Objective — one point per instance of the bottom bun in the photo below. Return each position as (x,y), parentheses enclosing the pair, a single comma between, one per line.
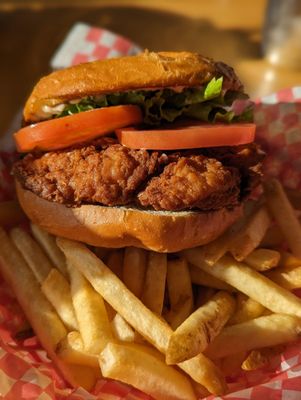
(162,231)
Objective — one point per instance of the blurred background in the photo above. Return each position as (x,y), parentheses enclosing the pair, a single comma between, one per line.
(259,38)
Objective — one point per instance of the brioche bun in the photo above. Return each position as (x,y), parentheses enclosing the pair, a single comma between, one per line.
(144,71)
(122,226)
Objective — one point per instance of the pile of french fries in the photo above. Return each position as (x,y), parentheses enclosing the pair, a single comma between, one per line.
(172,325)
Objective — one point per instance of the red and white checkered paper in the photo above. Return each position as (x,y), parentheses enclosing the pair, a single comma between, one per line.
(25,370)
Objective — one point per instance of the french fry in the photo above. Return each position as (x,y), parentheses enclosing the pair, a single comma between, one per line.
(115,261)
(109,286)
(263,259)
(137,367)
(32,252)
(246,310)
(200,328)
(200,277)
(57,290)
(11,213)
(178,281)
(122,330)
(270,330)
(149,325)
(179,286)
(251,235)
(289,261)
(204,371)
(249,282)
(284,214)
(134,267)
(90,310)
(287,278)
(39,312)
(261,357)
(213,251)
(155,281)
(71,350)
(48,244)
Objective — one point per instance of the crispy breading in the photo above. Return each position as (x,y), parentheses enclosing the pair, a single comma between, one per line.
(107,173)
(193,182)
(107,176)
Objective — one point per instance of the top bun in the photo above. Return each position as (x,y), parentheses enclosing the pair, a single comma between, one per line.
(147,70)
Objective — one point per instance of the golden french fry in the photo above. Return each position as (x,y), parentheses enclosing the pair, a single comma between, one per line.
(122,330)
(251,235)
(204,371)
(261,332)
(32,253)
(287,278)
(115,261)
(149,325)
(57,290)
(39,312)
(71,350)
(11,213)
(178,280)
(213,251)
(261,357)
(133,365)
(246,309)
(200,277)
(48,244)
(109,286)
(90,310)
(155,280)
(200,328)
(134,267)
(37,308)
(249,282)
(263,259)
(284,214)
(179,286)
(289,261)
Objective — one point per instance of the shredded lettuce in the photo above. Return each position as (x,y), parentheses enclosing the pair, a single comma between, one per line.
(208,103)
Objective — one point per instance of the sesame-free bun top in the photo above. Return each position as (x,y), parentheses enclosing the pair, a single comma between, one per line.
(147,70)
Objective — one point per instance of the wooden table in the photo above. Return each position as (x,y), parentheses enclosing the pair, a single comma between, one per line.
(228,30)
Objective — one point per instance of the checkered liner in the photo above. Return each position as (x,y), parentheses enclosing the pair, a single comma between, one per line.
(25,370)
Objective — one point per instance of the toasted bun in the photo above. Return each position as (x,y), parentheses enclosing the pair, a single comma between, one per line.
(144,71)
(121,226)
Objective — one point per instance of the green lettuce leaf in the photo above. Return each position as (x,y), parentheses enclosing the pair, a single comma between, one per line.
(213,89)
(207,103)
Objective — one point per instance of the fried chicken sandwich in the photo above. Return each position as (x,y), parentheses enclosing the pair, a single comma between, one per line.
(155,150)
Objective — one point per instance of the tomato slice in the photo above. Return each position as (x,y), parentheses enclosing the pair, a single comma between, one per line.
(65,131)
(188,137)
